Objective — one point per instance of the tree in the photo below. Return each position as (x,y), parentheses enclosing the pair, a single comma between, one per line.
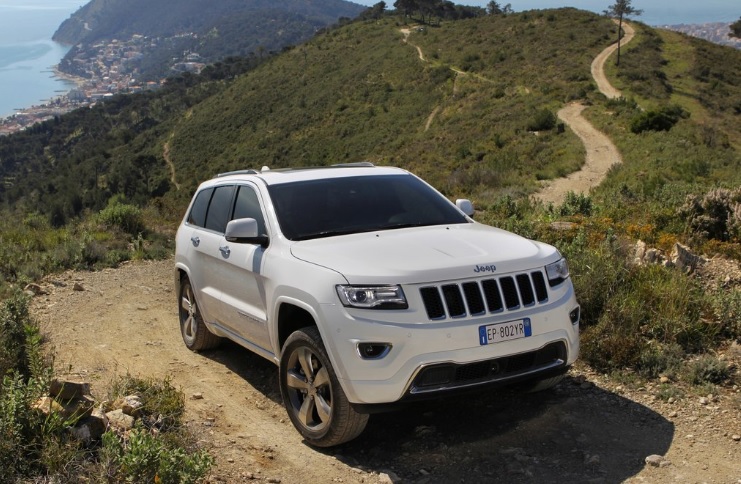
(493,8)
(736,29)
(621,8)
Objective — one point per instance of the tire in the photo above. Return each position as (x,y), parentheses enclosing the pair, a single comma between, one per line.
(539,385)
(196,335)
(314,400)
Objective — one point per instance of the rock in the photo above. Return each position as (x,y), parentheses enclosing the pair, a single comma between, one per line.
(664,379)
(736,437)
(78,408)
(593,460)
(132,405)
(119,420)
(684,260)
(656,460)
(47,405)
(34,290)
(562,226)
(388,477)
(703,401)
(640,252)
(90,428)
(653,256)
(78,287)
(197,396)
(67,390)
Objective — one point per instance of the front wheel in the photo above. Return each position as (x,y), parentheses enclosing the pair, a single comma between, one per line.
(316,404)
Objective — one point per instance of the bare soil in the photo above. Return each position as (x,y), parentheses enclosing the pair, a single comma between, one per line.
(587,429)
(601,153)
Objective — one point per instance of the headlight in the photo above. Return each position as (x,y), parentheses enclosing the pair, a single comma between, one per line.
(557,272)
(372,297)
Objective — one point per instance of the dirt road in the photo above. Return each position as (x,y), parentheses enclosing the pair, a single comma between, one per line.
(588,429)
(601,153)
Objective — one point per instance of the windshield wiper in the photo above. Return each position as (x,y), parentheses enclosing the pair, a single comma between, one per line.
(327,233)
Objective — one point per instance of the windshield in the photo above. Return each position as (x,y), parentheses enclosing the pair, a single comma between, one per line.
(339,206)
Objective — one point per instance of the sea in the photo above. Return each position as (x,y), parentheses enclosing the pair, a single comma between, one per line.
(27,53)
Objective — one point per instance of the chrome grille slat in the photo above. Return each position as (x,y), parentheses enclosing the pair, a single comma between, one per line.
(493,295)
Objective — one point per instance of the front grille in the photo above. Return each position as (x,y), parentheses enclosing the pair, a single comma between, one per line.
(447,376)
(493,295)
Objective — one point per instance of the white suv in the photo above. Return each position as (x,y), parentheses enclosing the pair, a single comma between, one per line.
(368,288)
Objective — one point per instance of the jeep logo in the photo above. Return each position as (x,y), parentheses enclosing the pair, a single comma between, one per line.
(489,268)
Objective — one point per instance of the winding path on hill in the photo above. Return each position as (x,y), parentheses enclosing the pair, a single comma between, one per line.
(601,153)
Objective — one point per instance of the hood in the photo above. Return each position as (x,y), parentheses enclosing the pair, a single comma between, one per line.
(425,254)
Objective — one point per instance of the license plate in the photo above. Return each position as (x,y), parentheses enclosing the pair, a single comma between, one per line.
(494,333)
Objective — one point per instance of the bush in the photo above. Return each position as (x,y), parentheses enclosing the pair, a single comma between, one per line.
(125,217)
(663,119)
(707,369)
(576,204)
(144,457)
(715,215)
(544,120)
(651,306)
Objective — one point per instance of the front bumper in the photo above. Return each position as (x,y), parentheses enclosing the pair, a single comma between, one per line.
(431,358)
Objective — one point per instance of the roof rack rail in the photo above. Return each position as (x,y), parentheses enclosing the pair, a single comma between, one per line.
(238,172)
(354,164)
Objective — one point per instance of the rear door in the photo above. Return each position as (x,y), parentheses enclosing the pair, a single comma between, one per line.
(207,223)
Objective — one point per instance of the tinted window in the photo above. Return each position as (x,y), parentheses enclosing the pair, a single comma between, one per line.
(247,205)
(218,209)
(336,206)
(200,206)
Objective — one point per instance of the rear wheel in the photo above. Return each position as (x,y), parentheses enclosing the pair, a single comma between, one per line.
(196,335)
(316,404)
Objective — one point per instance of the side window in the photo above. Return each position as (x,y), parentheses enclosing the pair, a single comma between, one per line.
(247,205)
(218,209)
(197,214)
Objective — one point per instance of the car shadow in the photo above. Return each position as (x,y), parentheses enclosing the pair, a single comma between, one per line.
(251,367)
(574,432)
(566,434)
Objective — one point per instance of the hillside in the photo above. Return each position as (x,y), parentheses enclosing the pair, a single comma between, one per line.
(475,116)
(214,31)
(471,105)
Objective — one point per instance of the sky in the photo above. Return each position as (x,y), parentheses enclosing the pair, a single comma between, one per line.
(655,12)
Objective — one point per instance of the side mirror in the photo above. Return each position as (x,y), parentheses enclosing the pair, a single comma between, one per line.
(244,231)
(465,206)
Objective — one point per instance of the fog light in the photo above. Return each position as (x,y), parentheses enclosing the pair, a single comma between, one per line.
(373,351)
(574,315)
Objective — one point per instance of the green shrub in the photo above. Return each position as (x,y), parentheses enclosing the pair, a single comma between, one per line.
(657,360)
(576,204)
(13,351)
(662,119)
(122,216)
(707,369)
(715,215)
(146,458)
(544,120)
(651,306)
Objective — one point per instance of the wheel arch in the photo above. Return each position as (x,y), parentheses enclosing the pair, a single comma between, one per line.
(291,318)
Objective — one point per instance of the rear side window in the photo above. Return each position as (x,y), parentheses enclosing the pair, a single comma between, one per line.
(197,215)
(219,208)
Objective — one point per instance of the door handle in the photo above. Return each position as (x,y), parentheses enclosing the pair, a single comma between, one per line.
(195,241)
(225,251)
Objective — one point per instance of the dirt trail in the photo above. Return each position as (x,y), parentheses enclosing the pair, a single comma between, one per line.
(601,153)
(589,429)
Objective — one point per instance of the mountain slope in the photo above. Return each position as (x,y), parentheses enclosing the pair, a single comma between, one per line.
(214,30)
(475,117)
